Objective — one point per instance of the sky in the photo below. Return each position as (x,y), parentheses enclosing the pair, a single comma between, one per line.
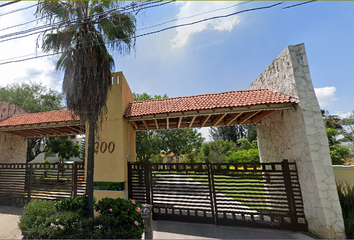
(212,56)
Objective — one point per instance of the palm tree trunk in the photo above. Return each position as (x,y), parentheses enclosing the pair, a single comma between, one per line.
(90,166)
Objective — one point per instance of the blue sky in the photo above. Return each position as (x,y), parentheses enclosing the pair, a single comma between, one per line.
(215,56)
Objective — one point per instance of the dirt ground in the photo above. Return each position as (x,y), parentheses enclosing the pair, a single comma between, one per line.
(9,217)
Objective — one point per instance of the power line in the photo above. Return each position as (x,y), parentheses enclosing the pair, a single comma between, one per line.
(215,10)
(154,32)
(51,26)
(9,3)
(17,10)
(295,5)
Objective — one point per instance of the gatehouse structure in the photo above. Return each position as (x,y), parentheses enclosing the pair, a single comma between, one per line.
(281,102)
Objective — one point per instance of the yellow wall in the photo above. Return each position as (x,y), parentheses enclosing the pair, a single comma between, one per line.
(111,166)
(344,173)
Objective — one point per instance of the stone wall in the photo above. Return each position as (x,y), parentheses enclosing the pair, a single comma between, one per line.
(8,109)
(298,134)
(13,148)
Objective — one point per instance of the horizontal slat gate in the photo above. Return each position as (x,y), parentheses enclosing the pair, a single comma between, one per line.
(22,182)
(182,192)
(263,195)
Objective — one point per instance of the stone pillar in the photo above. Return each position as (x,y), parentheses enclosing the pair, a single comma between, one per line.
(299,135)
(116,143)
(13,148)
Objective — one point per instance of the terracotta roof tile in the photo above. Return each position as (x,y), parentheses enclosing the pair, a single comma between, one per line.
(243,98)
(38,118)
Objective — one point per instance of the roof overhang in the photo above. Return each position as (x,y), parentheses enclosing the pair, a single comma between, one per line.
(46,129)
(207,118)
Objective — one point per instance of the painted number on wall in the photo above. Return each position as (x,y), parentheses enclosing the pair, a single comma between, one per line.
(103,147)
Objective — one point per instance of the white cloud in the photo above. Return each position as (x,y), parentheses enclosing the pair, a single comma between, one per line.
(326,96)
(37,70)
(192,8)
(205,133)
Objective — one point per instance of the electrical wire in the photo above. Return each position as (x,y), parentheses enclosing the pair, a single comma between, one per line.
(51,26)
(150,33)
(9,3)
(199,14)
(17,10)
(296,5)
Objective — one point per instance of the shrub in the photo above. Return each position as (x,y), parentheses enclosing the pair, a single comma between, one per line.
(77,205)
(119,218)
(346,199)
(33,221)
(124,215)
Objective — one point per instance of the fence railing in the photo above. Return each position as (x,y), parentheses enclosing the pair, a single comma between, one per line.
(20,182)
(249,194)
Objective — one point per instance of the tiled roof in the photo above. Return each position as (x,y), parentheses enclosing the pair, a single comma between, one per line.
(38,118)
(232,99)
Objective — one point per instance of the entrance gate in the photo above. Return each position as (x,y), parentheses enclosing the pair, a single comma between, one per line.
(247,194)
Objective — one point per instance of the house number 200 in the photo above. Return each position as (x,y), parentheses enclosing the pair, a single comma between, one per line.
(103,147)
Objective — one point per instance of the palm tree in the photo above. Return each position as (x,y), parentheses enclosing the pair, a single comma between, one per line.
(82,32)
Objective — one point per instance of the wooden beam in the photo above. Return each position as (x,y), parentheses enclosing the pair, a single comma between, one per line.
(179,122)
(218,119)
(134,124)
(192,121)
(146,125)
(232,118)
(262,115)
(157,124)
(246,116)
(205,119)
(167,123)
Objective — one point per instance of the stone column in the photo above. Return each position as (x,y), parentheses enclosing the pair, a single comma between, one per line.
(299,135)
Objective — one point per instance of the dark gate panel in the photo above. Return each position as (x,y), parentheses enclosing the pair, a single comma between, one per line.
(249,194)
(264,195)
(182,192)
(21,182)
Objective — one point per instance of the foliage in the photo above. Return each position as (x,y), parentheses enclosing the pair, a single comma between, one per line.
(156,158)
(111,186)
(88,26)
(150,144)
(118,219)
(180,141)
(346,199)
(34,217)
(32,96)
(193,157)
(241,156)
(217,151)
(144,97)
(78,205)
(126,213)
(64,146)
(334,129)
(231,133)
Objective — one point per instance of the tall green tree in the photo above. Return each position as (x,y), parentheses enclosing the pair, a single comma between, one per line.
(34,97)
(177,141)
(217,151)
(87,31)
(64,146)
(233,133)
(334,129)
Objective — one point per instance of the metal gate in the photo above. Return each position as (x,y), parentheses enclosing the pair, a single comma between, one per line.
(248,194)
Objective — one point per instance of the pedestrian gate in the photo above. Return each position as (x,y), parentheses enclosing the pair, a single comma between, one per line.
(248,194)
